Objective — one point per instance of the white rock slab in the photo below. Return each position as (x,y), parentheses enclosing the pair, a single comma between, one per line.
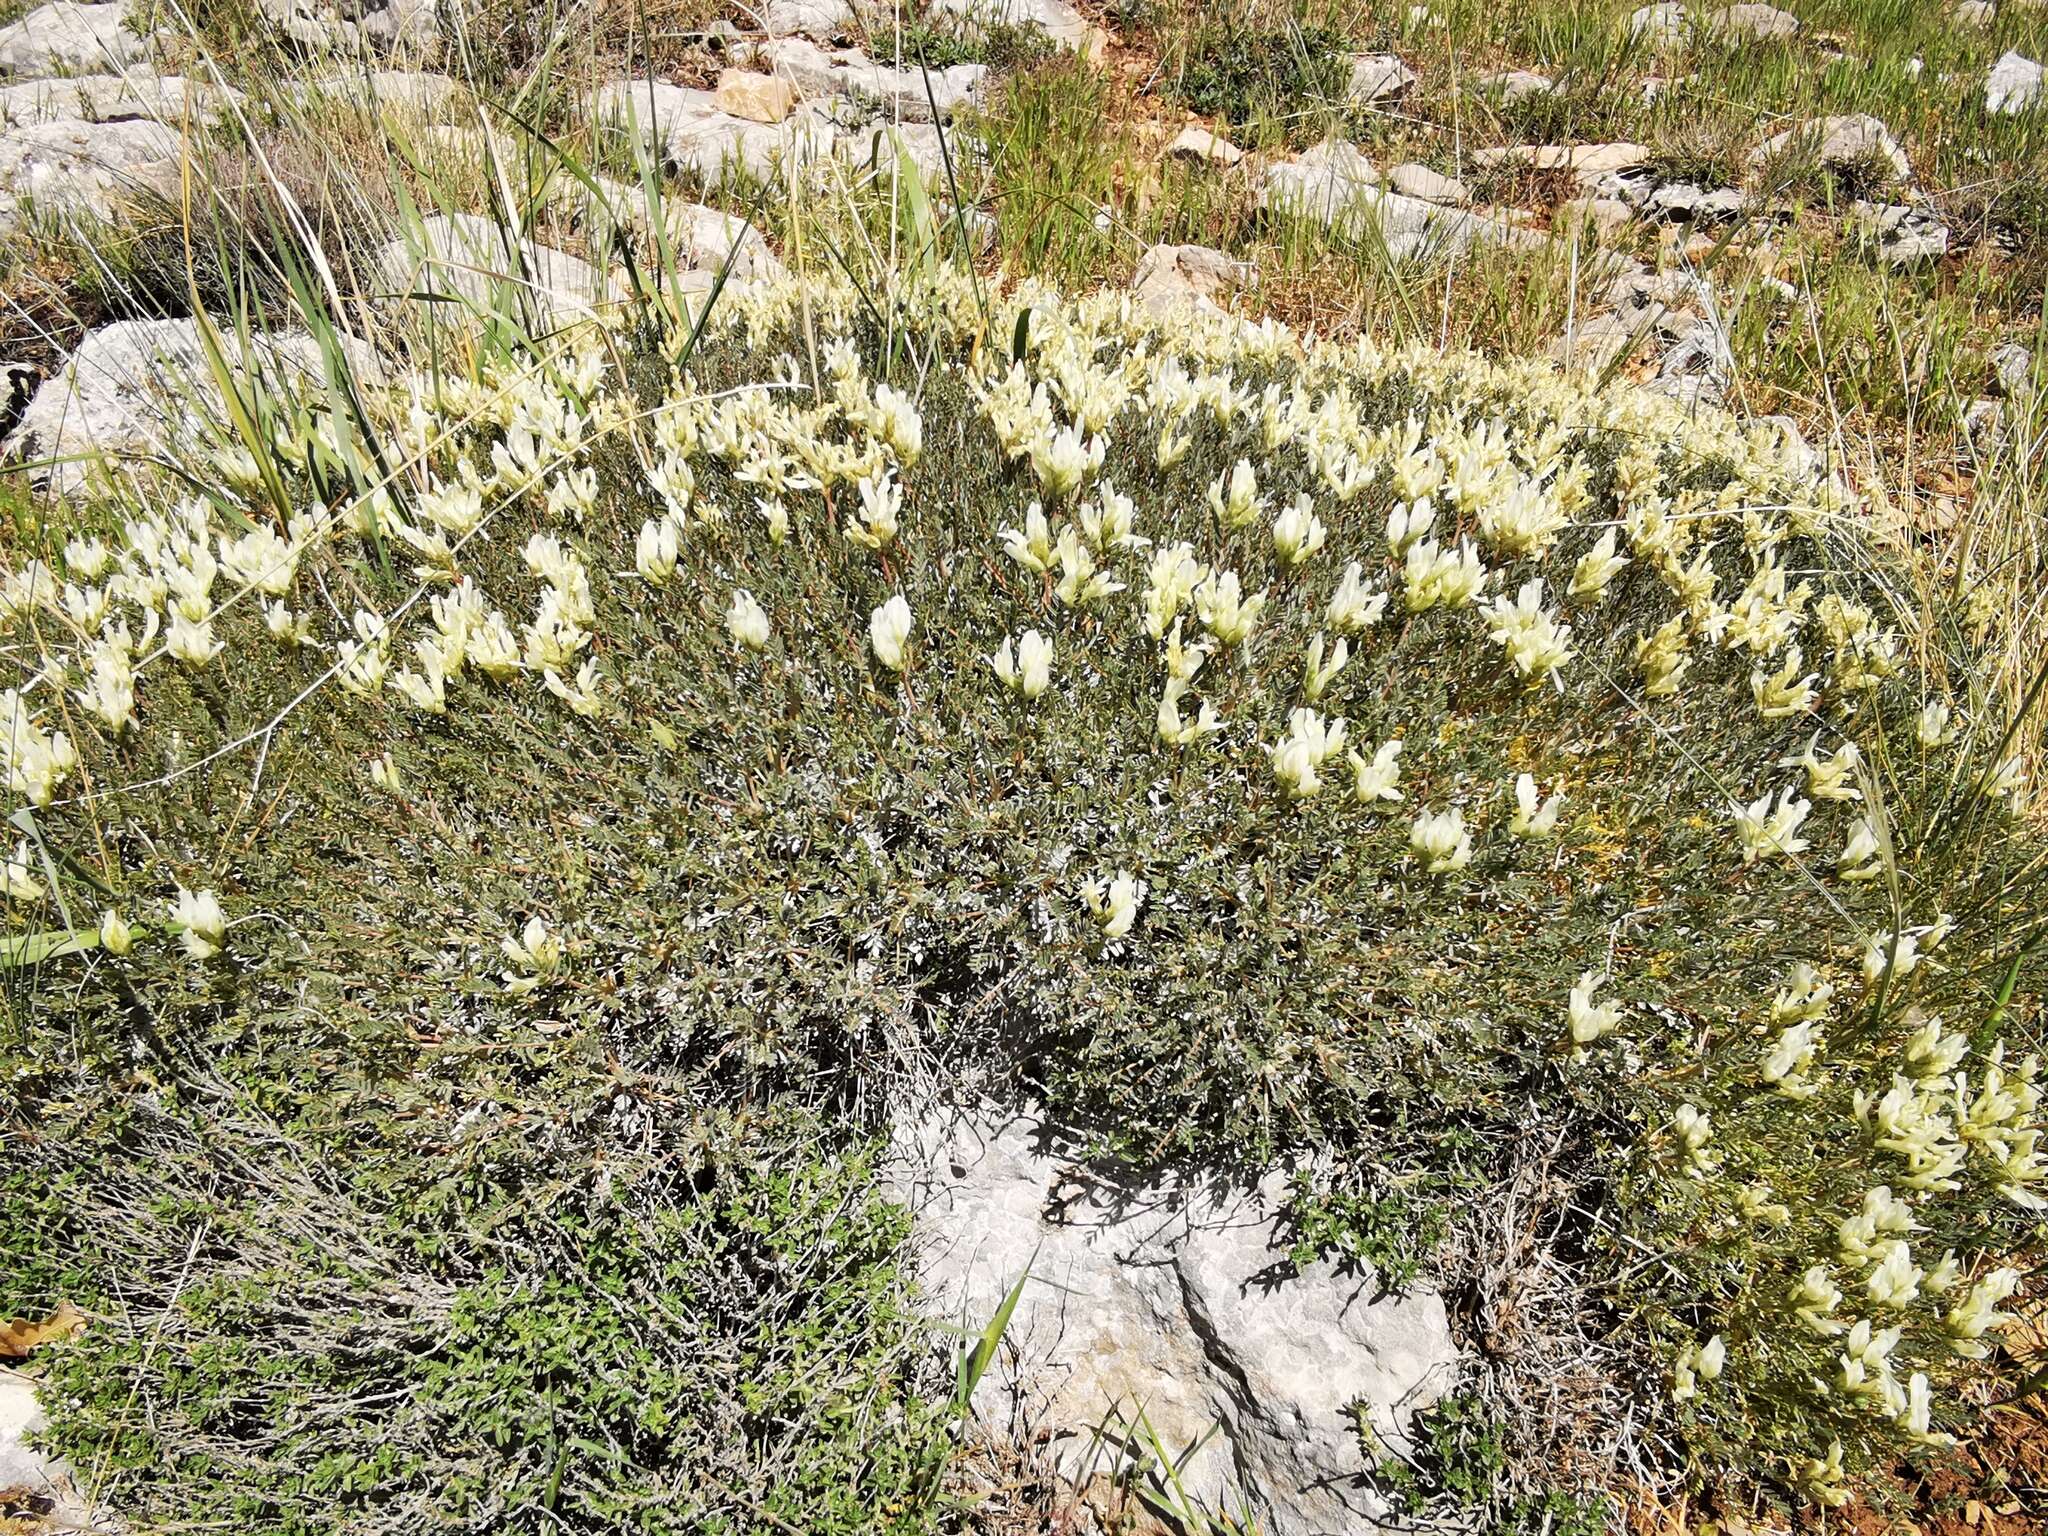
(1055,18)
(132,385)
(2013,85)
(690,132)
(1336,186)
(1171,276)
(476,259)
(1174,1300)
(46,1479)
(170,99)
(910,94)
(69,39)
(68,168)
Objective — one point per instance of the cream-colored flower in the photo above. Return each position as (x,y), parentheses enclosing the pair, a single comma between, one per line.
(889,629)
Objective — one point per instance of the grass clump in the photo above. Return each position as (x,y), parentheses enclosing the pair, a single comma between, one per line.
(1242,66)
(1458,1467)
(494,853)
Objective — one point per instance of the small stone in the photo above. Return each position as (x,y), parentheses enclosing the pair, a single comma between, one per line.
(41,1479)
(1674,200)
(2013,366)
(1841,141)
(68,39)
(1764,22)
(757,98)
(1377,79)
(317,25)
(1200,144)
(1793,451)
(692,133)
(1586,161)
(1662,26)
(1595,345)
(1322,183)
(820,19)
(1605,214)
(404,26)
(924,150)
(412,93)
(1905,236)
(1984,425)
(1171,275)
(1695,205)
(1515,84)
(1420,181)
(1976,13)
(910,95)
(1054,18)
(2013,85)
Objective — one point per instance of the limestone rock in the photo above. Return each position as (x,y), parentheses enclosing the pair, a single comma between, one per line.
(410,93)
(1175,1300)
(1662,26)
(1603,213)
(404,25)
(1412,180)
(821,19)
(132,385)
(170,99)
(46,1480)
(925,150)
(1200,144)
(1984,425)
(1586,161)
(68,167)
(2013,366)
(757,98)
(1055,18)
(691,132)
(1685,202)
(1976,13)
(1905,236)
(1378,79)
(1596,344)
(709,240)
(69,39)
(1841,141)
(315,25)
(1336,186)
(480,261)
(1515,84)
(1320,183)
(1764,22)
(1678,311)
(2013,85)
(1171,275)
(910,95)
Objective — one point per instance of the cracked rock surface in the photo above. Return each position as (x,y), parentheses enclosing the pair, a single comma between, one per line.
(1175,1299)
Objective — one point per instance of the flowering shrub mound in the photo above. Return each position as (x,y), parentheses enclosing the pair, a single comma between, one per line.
(491,851)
